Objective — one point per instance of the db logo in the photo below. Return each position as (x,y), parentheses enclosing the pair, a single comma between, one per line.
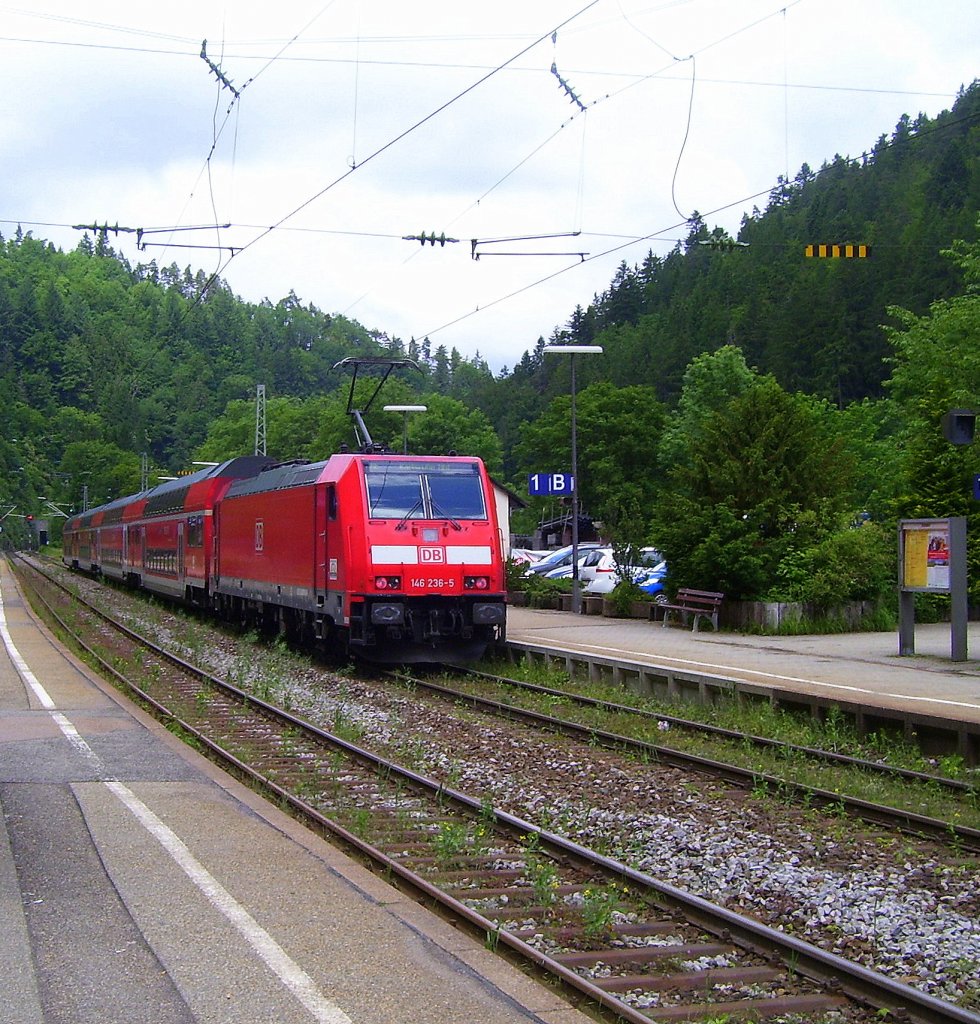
(432,555)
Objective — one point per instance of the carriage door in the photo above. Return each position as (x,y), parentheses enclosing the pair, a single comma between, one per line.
(215,566)
(321,504)
(180,552)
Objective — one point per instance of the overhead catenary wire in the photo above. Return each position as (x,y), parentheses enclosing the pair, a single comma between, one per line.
(216,131)
(418,124)
(687,134)
(359,40)
(398,138)
(583,109)
(119,229)
(785,95)
(178,245)
(589,259)
(441,65)
(223,80)
(629,239)
(352,159)
(659,234)
(579,197)
(475,255)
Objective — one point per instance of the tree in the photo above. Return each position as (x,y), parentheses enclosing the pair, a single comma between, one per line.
(310,428)
(871,432)
(441,373)
(761,478)
(938,475)
(448,425)
(106,470)
(711,381)
(618,430)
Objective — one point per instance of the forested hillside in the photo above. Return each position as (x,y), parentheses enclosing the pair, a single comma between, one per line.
(101,361)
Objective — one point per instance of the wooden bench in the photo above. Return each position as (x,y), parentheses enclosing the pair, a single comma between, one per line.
(696,604)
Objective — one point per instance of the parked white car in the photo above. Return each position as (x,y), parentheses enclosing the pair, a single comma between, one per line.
(599,575)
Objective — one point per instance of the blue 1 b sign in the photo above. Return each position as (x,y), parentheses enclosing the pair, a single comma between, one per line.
(550,483)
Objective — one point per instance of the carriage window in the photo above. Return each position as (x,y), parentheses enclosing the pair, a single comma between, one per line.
(195,532)
(424,490)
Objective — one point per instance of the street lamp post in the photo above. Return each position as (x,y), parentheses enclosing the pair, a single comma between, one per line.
(406,409)
(572,351)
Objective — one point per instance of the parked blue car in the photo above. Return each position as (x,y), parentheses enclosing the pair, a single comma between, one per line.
(653,584)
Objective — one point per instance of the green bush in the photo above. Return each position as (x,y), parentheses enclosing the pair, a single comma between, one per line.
(537,587)
(932,608)
(711,547)
(856,564)
(623,595)
(514,575)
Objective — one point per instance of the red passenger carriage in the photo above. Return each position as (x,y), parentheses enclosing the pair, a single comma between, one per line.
(161,539)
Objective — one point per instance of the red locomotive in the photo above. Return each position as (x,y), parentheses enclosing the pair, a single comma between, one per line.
(397,558)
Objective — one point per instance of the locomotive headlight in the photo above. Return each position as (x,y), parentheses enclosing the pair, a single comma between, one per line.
(387,582)
(476,583)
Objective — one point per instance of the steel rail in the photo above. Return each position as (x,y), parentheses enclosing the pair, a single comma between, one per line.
(311,814)
(816,753)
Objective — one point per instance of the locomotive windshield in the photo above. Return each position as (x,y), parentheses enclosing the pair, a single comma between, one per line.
(424,490)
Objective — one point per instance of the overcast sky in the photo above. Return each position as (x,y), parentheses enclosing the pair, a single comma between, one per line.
(344,126)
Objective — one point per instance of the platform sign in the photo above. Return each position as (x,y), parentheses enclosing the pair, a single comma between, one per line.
(932,559)
(555,484)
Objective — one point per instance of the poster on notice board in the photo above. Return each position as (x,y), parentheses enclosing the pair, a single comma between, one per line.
(925,559)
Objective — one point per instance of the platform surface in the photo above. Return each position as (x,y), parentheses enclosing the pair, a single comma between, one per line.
(139,883)
(858,667)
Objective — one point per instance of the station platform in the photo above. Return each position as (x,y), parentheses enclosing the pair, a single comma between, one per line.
(863,671)
(139,883)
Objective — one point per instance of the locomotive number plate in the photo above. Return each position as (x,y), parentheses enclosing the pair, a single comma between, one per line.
(432,583)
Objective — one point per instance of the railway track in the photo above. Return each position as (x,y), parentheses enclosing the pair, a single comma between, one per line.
(784,749)
(948,832)
(618,938)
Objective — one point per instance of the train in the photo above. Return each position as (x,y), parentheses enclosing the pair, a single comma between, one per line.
(384,557)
